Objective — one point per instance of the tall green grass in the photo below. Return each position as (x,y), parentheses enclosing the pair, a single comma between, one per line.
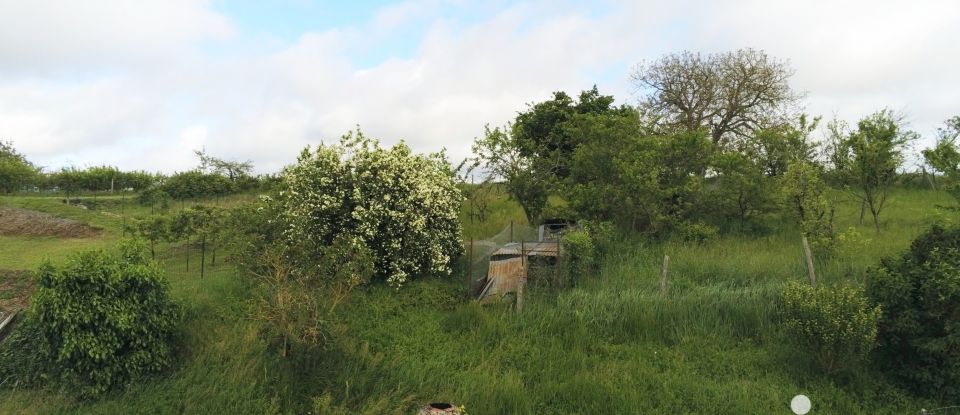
(613,343)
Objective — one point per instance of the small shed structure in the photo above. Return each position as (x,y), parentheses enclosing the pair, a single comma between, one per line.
(509,265)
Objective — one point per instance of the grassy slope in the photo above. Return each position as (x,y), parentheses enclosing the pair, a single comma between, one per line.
(710,346)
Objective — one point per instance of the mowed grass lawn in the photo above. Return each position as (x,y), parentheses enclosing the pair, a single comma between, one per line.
(610,345)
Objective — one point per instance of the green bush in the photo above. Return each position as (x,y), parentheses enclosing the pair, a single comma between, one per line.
(196,184)
(104,318)
(154,197)
(696,232)
(402,206)
(836,325)
(604,237)
(578,256)
(919,335)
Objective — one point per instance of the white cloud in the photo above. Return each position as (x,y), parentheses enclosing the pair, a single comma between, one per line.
(853,57)
(64,36)
(140,92)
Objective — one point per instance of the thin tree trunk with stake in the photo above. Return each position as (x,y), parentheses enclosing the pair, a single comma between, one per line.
(663,275)
(809,256)
(203,254)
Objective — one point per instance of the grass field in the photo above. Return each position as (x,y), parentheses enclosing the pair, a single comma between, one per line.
(610,345)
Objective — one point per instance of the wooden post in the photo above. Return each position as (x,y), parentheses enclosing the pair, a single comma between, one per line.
(933,185)
(556,266)
(520,295)
(806,253)
(470,268)
(663,274)
(523,255)
(203,254)
(123,199)
(7,320)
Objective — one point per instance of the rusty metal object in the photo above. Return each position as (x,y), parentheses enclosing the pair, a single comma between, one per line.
(440,408)
(508,267)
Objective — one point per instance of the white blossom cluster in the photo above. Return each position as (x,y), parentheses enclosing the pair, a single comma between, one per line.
(403,206)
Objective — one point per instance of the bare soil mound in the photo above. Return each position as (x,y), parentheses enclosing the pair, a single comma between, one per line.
(15,290)
(22,222)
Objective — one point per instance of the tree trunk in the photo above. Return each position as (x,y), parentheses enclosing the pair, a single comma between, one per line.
(863,208)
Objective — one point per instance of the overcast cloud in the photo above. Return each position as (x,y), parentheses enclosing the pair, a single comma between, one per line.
(142,84)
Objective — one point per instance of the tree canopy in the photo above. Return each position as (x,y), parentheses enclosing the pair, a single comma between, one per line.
(16,172)
(729,94)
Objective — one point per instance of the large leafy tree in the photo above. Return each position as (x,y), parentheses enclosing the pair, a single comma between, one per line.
(16,172)
(944,157)
(542,131)
(533,154)
(729,94)
(646,183)
(745,177)
(528,180)
(773,148)
(868,159)
(740,192)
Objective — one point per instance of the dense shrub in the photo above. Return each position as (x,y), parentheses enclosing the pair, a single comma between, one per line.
(154,197)
(836,325)
(578,257)
(197,184)
(104,318)
(403,207)
(697,232)
(604,237)
(919,334)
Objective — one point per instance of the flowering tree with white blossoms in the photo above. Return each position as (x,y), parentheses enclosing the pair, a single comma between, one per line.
(402,206)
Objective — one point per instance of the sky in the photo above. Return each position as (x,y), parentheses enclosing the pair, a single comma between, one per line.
(142,84)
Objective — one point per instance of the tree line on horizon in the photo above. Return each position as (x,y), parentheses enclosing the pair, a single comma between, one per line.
(716,142)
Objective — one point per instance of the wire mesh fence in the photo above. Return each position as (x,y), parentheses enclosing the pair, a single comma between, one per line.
(539,253)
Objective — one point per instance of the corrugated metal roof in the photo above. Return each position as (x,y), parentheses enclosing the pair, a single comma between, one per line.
(534,248)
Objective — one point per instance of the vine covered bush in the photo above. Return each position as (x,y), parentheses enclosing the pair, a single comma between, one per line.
(837,326)
(579,254)
(919,336)
(104,319)
(402,206)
